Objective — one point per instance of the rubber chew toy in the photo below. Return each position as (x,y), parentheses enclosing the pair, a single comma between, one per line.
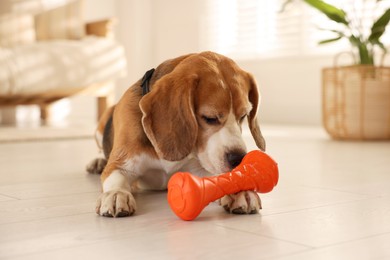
(189,194)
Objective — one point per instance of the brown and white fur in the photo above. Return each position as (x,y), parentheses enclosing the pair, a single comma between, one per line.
(189,121)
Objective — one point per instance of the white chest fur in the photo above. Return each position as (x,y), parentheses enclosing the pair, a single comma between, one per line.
(152,173)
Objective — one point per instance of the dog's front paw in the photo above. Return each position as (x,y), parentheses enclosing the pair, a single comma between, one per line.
(117,203)
(243,202)
(96,166)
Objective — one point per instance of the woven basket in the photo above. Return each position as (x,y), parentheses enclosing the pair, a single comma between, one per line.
(356,102)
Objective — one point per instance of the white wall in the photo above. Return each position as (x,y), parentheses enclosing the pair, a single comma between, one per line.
(99,9)
(290,87)
(135,32)
(176,28)
(155,30)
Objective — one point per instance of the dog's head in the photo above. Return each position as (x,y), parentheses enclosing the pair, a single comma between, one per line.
(198,107)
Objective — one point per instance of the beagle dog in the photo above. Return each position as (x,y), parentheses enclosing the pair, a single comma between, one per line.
(186,115)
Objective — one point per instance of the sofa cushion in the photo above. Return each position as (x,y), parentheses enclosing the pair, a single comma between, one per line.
(58,64)
(16,29)
(64,22)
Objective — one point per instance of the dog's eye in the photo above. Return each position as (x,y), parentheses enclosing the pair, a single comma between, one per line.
(211,120)
(242,118)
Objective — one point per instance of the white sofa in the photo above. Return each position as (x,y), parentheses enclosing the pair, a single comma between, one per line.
(47,53)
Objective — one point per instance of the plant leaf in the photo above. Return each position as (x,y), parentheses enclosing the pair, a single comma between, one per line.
(379,27)
(331,30)
(355,41)
(332,12)
(330,40)
(381,45)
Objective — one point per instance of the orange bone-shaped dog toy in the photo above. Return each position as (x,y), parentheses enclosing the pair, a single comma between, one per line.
(189,194)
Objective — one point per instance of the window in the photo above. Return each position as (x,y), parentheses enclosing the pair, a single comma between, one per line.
(258,28)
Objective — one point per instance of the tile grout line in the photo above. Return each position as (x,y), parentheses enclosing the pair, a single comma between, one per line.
(269,237)
(12,198)
(322,206)
(338,190)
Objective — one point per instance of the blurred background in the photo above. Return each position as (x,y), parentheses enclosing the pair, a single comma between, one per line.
(279,47)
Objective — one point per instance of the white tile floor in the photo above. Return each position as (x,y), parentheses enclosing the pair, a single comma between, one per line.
(332,202)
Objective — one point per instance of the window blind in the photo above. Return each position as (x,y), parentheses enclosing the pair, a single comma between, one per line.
(258,28)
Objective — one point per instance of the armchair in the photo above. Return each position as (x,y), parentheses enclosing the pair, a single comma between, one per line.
(56,62)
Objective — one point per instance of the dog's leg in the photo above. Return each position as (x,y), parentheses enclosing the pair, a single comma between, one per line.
(244,202)
(96,166)
(116,199)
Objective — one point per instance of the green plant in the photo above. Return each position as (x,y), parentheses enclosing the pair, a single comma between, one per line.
(351,29)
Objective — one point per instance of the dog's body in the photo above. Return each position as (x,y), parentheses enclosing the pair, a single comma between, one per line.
(190,121)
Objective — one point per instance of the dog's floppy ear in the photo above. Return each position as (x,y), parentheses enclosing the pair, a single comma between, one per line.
(168,116)
(252,117)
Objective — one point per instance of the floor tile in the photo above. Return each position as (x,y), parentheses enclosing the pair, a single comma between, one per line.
(289,197)
(6,198)
(376,247)
(133,238)
(48,207)
(52,188)
(332,202)
(321,226)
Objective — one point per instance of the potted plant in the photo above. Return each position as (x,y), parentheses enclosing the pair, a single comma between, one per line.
(356,98)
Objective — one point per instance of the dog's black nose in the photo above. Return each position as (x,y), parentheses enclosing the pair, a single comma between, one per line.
(235,158)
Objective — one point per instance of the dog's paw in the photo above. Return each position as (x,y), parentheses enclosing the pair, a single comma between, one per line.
(243,202)
(96,166)
(117,203)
